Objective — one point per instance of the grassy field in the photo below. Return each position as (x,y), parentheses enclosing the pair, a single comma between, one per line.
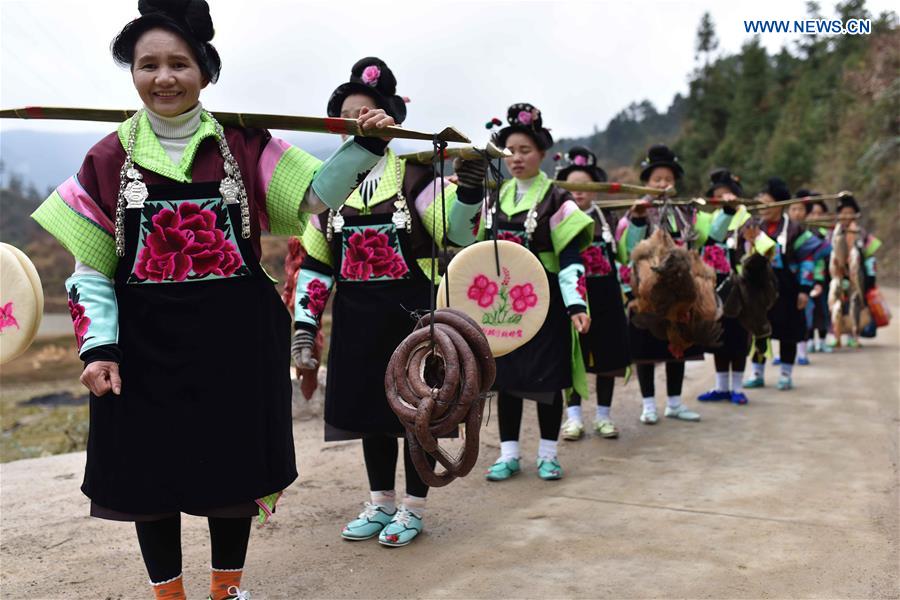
(43,407)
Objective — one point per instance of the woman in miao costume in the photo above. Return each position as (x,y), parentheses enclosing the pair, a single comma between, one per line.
(375,253)
(545,219)
(181,331)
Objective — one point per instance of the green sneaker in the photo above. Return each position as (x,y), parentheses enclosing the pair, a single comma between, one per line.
(402,529)
(572,430)
(606,429)
(549,470)
(785,383)
(502,470)
(368,524)
(755,382)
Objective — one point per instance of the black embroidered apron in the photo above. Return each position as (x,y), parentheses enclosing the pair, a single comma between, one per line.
(372,313)
(204,418)
(543,365)
(605,346)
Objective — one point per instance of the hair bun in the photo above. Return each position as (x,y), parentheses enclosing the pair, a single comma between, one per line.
(193,13)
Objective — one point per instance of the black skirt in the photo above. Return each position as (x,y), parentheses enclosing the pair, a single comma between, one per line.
(369,320)
(543,365)
(605,346)
(788,321)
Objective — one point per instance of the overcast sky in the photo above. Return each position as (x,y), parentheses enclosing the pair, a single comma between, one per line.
(461,61)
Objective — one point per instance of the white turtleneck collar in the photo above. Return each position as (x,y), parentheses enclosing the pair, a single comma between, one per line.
(174,133)
(523,185)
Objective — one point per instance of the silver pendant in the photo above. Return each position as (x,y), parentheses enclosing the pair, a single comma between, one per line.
(489,219)
(135,193)
(400,217)
(607,236)
(337,222)
(230,190)
(731,243)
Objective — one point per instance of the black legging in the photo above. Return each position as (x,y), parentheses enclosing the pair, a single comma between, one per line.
(160,543)
(509,416)
(605,385)
(787,352)
(725,363)
(380,453)
(674,378)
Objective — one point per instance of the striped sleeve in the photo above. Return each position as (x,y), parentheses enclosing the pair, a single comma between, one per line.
(74,218)
(286,174)
(570,224)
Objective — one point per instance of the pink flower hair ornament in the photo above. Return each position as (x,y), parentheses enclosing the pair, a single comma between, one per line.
(370,75)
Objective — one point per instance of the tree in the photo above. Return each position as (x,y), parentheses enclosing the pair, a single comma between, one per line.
(706,38)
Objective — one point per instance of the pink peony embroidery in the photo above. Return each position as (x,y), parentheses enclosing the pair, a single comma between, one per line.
(6,317)
(716,258)
(317,293)
(370,75)
(580,160)
(523,297)
(625,274)
(524,117)
(581,287)
(186,240)
(369,254)
(595,262)
(483,291)
(80,321)
(510,237)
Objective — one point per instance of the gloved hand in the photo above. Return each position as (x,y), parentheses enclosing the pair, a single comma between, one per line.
(302,349)
(470,173)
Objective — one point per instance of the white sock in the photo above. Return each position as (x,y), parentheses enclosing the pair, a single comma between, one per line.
(722,382)
(737,382)
(547,449)
(387,499)
(674,401)
(759,369)
(801,350)
(603,413)
(509,450)
(650,404)
(787,369)
(414,504)
(574,413)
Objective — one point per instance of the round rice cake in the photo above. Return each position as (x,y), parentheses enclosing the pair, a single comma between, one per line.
(21,302)
(510,306)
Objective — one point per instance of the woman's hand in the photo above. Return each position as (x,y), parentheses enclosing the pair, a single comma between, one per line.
(802,299)
(639,209)
(582,322)
(374,118)
(102,376)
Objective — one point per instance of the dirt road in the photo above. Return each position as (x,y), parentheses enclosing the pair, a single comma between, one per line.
(794,495)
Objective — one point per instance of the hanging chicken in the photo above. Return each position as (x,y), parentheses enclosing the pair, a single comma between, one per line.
(675,296)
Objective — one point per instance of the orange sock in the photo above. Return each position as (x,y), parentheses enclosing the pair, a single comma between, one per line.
(170,590)
(220,581)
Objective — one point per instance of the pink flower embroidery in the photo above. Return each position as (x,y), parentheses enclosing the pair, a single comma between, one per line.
(370,75)
(715,257)
(80,321)
(524,117)
(317,294)
(580,160)
(523,297)
(625,274)
(370,254)
(483,291)
(510,237)
(581,287)
(595,261)
(183,241)
(6,317)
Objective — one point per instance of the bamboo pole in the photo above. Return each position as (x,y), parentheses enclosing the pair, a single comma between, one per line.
(465,152)
(263,121)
